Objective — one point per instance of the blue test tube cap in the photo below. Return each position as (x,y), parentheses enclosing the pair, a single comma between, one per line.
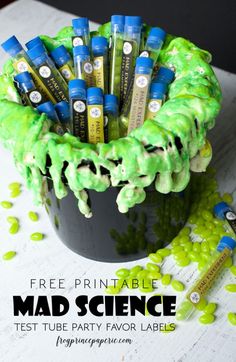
(77,88)
(118,23)
(143,65)
(49,109)
(165,75)
(60,55)
(155,36)
(226,242)
(111,103)
(158,90)
(12,46)
(220,209)
(94,95)
(80,24)
(81,50)
(36,52)
(99,45)
(33,42)
(23,77)
(63,110)
(133,21)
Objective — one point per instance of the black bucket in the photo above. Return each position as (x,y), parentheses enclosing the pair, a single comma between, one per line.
(111,236)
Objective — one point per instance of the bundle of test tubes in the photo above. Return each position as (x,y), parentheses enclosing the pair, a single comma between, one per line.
(103,89)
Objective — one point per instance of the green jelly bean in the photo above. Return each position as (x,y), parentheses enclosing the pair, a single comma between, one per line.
(177,285)
(33,216)
(142,274)
(185,231)
(232,318)
(14,228)
(184,239)
(227,198)
(110,289)
(120,283)
(154,275)
(12,220)
(152,267)
(14,185)
(156,258)
(197,247)
(175,241)
(183,262)
(194,256)
(228,262)
(164,252)
(205,256)
(122,273)
(205,246)
(9,255)
(180,255)
(207,318)
(188,246)
(176,249)
(231,288)
(134,271)
(201,264)
(145,286)
(207,215)
(166,279)
(170,327)
(201,305)
(210,308)
(15,193)
(36,236)
(233,269)
(6,204)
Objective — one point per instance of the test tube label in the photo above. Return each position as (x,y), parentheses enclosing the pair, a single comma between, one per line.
(145,54)
(21,65)
(126,68)
(204,284)
(87,73)
(50,80)
(95,124)
(77,40)
(231,218)
(98,66)
(66,72)
(139,99)
(36,98)
(153,107)
(79,119)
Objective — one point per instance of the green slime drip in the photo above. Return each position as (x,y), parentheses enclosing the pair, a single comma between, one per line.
(149,154)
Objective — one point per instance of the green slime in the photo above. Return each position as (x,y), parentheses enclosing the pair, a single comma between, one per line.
(160,151)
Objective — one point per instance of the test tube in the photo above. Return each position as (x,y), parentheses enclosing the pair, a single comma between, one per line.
(63,61)
(130,51)
(100,62)
(27,87)
(117,34)
(81,30)
(154,43)
(49,110)
(48,73)
(142,80)
(78,109)
(95,115)
(63,111)
(22,63)
(111,121)
(212,269)
(82,64)
(34,42)
(164,75)
(223,211)
(156,98)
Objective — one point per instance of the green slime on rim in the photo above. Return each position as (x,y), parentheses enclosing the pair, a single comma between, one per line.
(193,104)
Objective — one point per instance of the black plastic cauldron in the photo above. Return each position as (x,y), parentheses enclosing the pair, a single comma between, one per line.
(111,236)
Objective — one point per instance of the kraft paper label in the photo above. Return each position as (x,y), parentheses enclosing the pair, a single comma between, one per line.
(95,124)
(139,100)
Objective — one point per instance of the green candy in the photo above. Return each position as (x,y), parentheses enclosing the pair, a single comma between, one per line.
(207,318)
(233,269)
(152,267)
(177,285)
(231,288)
(176,249)
(183,262)
(201,305)
(154,275)
(112,290)
(14,185)
(36,236)
(164,252)
(171,327)
(33,216)
(232,318)
(6,204)
(15,193)
(14,228)
(122,273)
(9,255)
(135,270)
(12,220)
(166,279)
(156,258)
(210,308)
(228,262)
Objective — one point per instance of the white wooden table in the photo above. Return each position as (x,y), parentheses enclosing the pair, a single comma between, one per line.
(51,259)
